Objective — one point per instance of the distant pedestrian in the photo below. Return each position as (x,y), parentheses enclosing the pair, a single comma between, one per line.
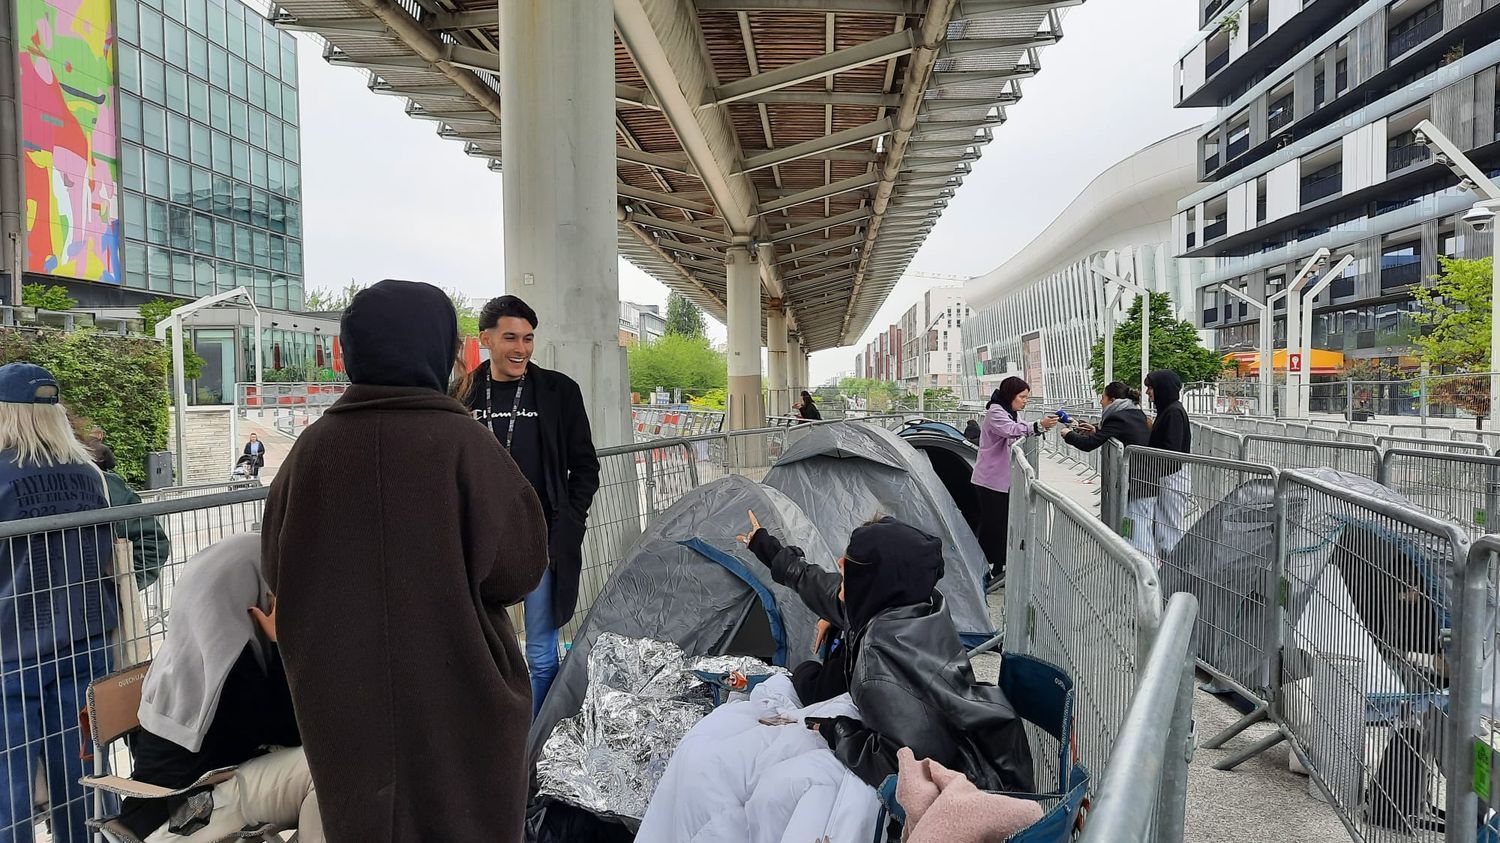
(539,417)
(58,605)
(394,537)
(1001,430)
(256,451)
(1162,483)
(807,409)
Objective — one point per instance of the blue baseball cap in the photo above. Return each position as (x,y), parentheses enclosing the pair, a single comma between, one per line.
(27,383)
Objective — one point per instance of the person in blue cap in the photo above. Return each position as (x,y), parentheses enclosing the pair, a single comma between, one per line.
(58,605)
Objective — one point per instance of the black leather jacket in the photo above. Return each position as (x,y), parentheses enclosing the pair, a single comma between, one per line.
(911,678)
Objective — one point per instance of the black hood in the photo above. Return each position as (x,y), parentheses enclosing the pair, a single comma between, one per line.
(889,564)
(1167,387)
(400,333)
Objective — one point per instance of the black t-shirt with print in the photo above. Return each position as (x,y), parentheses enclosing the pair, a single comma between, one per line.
(526,444)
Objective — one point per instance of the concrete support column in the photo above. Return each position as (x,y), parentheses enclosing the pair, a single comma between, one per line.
(777,382)
(746,412)
(795,373)
(557,77)
(12,231)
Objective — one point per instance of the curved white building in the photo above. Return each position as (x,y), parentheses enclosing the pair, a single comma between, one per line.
(1039,314)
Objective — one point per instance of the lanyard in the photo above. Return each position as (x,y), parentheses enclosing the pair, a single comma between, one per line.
(515,406)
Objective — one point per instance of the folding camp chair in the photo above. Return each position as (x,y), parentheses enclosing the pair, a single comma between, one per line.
(114,703)
(1041,694)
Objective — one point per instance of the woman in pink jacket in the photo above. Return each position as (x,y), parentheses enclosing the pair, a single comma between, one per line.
(1000,429)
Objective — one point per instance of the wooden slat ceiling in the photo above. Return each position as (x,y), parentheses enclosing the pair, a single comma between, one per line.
(833,279)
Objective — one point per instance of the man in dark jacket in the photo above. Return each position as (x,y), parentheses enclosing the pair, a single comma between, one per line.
(539,417)
(904,665)
(395,536)
(150,546)
(1159,488)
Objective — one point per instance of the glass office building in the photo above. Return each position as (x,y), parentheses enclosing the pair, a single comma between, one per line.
(209,161)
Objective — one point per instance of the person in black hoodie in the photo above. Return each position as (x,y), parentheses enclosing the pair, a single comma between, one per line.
(1160,486)
(903,663)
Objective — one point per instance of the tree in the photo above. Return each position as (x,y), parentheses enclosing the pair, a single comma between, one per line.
(880,395)
(324,300)
(1174,345)
(677,362)
(47,298)
(468,315)
(1455,318)
(684,319)
(943,398)
(157,310)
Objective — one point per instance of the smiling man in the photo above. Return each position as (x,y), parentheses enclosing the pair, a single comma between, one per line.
(539,417)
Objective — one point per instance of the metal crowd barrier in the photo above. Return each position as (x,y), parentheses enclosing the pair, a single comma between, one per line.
(1285,452)
(1473,787)
(1462,488)
(125,561)
(1080,597)
(650,423)
(1442,446)
(168,493)
(1144,792)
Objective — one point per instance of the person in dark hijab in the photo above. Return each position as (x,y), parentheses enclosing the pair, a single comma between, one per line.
(807,408)
(394,537)
(1158,508)
(903,663)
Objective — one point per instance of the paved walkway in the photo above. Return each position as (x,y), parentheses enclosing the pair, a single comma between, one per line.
(278,445)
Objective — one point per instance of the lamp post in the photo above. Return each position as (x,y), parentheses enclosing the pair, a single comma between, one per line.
(1125,283)
(1294,380)
(1305,343)
(1267,377)
(1482,218)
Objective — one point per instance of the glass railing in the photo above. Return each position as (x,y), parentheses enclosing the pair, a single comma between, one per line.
(1279,119)
(1211,163)
(1216,65)
(1215,231)
(1400,157)
(1429,26)
(1258,31)
(1400,275)
(1321,188)
(1237,148)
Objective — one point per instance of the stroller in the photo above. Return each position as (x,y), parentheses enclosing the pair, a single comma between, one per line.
(244,468)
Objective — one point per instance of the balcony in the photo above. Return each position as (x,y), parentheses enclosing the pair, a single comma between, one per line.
(1341,288)
(1210,315)
(1218,229)
(1215,65)
(1395,276)
(1340,82)
(1278,119)
(1211,163)
(1237,148)
(1258,31)
(1192,239)
(1431,24)
(1398,158)
(1322,187)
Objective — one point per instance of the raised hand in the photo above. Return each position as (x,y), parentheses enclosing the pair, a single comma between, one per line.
(755,527)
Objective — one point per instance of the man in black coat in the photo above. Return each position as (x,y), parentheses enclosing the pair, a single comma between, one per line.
(539,417)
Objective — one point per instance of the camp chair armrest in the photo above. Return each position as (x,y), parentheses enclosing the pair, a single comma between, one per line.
(133,789)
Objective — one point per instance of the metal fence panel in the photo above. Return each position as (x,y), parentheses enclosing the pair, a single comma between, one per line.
(1216,442)
(1473,788)
(1282,452)
(1441,446)
(1462,488)
(1363,688)
(1210,524)
(1085,601)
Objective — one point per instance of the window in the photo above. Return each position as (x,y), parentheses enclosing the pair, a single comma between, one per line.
(239,120)
(177,97)
(218,109)
(202,148)
(130,118)
(257,128)
(277,214)
(294,257)
(237,72)
(275,175)
(203,234)
(288,104)
(135,265)
(294,219)
(215,27)
(175,9)
(258,165)
(178,141)
(151,39)
(131,167)
(275,136)
(242,206)
(127,23)
(203,190)
(180,221)
(197,55)
(278,253)
(290,153)
(243,251)
(218,67)
(135,216)
(160,269)
(157,184)
(255,83)
(203,276)
(198,99)
(259,209)
(197,15)
(153,79)
(224,239)
(289,64)
(176,44)
(261,246)
(241,154)
(254,45)
(157,227)
(221,159)
(271,62)
(224,202)
(182,274)
(236,41)
(130,68)
(273,96)
(182,181)
(293,182)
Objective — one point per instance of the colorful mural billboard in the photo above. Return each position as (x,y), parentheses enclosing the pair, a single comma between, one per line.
(68,138)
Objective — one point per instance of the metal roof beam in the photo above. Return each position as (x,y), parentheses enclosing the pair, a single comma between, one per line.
(934,163)
(681,228)
(973,46)
(669,163)
(652,197)
(629,95)
(872,7)
(378,62)
(824,98)
(938,105)
(854,216)
(939,145)
(330,26)
(820,266)
(827,143)
(417,112)
(701,250)
(445,92)
(979,9)
(823,247)
(449,21)
(948,79)
(838,61)
(858,182)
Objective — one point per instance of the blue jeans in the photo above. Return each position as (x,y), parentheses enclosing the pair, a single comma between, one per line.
(541,641)
(41,704)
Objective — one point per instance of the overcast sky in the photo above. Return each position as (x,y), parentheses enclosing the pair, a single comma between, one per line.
(385,197)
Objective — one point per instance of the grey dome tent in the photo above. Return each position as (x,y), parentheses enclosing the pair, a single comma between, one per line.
(688,581)
(843,474)
(952,457)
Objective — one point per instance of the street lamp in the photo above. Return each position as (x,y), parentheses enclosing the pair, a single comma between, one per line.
(1125,283)
(1294,380)
(1481,217)
(1305,346)
(1267,313)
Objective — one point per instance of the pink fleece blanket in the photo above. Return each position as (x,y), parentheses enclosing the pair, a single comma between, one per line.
(945,807)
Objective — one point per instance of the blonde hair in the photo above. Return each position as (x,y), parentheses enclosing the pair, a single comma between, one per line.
(40,434)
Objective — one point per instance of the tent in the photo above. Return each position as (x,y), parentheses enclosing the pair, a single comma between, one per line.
(952,457)
(844,474)
(688,581)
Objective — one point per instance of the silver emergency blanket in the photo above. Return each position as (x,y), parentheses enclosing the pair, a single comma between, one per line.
(641,700)
(844,474)
(689,582)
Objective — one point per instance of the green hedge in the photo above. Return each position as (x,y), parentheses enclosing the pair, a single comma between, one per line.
(119,383)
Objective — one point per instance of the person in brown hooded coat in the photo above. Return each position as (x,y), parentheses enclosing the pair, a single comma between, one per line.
(394,538)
